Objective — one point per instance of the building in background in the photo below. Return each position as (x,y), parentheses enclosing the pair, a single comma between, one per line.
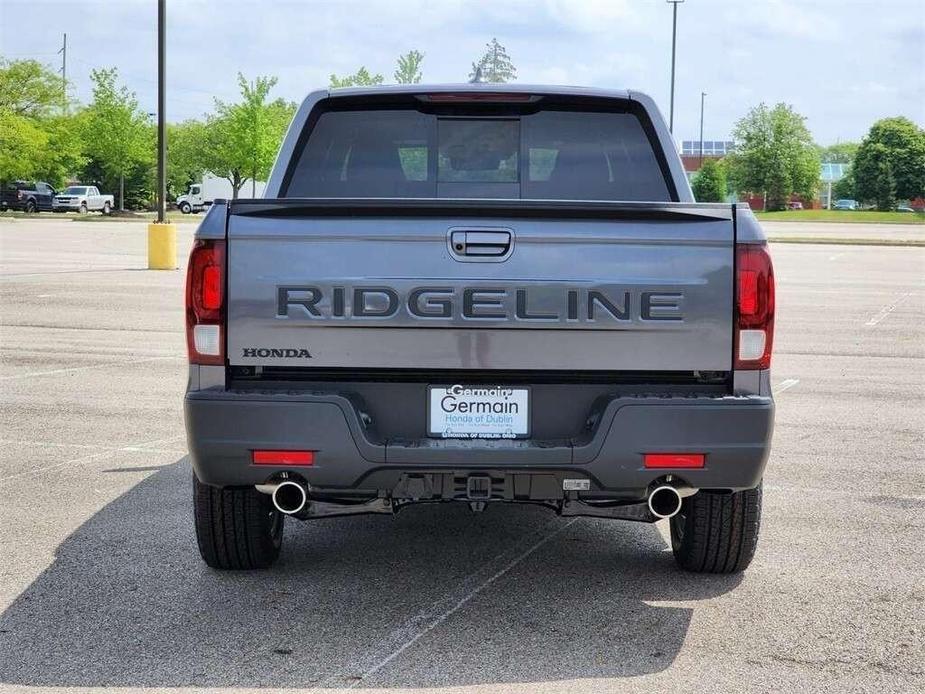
(831,173)
(692,153)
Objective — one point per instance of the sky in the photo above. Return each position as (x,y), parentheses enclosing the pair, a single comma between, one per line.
(841,63)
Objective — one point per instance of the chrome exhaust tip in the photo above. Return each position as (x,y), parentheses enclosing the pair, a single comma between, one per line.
(289,497)
(664,501)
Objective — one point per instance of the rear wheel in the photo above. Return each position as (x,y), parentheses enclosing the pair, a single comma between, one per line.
(236,527)
(107,208)
(717,532)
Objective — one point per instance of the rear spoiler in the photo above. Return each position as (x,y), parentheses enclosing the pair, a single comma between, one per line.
(478,207)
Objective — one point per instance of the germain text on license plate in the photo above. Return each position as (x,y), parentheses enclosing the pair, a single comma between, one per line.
(478,412)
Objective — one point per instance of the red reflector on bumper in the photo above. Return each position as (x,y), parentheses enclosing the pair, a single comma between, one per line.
(284,457)
(674,460)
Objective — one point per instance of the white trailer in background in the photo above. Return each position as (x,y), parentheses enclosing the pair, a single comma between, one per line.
(211,188)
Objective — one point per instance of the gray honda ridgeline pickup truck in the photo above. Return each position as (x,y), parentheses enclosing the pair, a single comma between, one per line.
(480,294)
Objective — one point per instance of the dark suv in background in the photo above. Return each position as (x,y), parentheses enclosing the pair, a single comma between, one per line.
(27,196)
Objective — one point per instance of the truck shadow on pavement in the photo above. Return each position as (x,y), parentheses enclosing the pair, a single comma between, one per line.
(436,596)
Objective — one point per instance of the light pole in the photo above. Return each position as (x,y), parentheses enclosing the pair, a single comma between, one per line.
(162,235)
(674,39)
(702,95)
(161,120)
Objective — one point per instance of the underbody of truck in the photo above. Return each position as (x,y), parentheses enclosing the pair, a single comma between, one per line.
(446,297)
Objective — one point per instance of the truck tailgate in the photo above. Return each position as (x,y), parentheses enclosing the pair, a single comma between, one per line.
(486,285)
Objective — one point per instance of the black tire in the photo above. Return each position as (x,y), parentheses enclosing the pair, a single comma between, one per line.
(83,208)
(30,207)
(717,532)
(236,527)
(107,208)
(185,208)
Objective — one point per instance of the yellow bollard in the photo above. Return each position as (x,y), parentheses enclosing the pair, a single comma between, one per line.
(162,246)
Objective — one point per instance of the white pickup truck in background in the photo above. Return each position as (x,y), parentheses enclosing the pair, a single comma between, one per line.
(82,199)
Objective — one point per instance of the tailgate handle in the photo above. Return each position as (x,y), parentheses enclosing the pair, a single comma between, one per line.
(480,243)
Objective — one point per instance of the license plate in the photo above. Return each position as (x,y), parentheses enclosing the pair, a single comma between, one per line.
(478,412)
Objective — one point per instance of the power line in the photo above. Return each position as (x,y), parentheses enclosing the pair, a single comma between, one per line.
(28,55)
(140,78)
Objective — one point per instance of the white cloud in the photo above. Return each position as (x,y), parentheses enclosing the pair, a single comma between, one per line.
(592,16)
(793,18)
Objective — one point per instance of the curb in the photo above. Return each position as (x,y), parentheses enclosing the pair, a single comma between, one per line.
(847,242)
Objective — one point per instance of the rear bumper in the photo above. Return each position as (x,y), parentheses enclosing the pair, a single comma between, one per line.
(224,427)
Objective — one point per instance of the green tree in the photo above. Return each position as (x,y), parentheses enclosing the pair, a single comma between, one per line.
(844,187)
(839,153)
(36,140)
(885,186)
(242,138)
(222,154)
(709,184)
(495,65)
(22,144)
(408,70)
(186,155)
(775,155)
(893,149)
(361,78)
(137,182)
(28,88)
(63,156)
(874,178)
(117,135)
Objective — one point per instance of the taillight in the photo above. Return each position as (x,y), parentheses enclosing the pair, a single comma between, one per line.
(754,333)
(205,303)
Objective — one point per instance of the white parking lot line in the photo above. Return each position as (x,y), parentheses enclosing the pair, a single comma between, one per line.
(785,385)
(88,446)
(141,446)
(436,620)
(13,276)
(887,310)
(54,372)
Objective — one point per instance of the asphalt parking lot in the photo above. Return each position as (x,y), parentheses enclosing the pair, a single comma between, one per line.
(101,586)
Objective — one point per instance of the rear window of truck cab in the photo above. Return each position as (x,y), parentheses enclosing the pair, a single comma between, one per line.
(550,154)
